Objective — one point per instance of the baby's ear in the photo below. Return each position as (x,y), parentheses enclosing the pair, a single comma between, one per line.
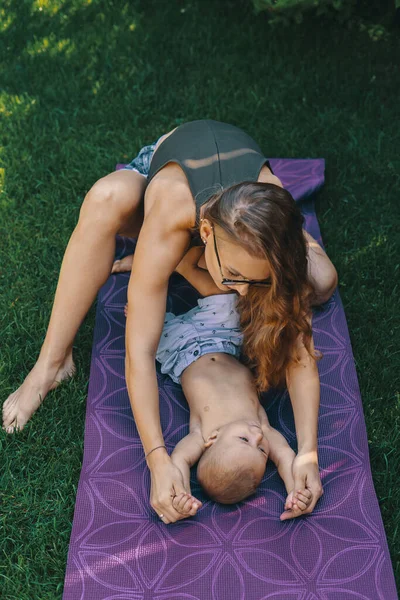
(211,438)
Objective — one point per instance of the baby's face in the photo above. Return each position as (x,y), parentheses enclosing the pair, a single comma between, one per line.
(245,441)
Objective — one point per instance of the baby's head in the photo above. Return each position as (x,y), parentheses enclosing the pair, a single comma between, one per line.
(234,461)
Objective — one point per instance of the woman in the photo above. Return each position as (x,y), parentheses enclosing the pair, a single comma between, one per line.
(190,164)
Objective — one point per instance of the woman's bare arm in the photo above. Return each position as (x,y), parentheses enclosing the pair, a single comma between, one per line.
(159,249)
(160,246)
(303,385)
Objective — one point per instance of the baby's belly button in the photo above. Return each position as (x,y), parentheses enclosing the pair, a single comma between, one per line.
(211,356)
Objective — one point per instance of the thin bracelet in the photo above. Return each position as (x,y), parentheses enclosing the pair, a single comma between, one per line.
(146,455)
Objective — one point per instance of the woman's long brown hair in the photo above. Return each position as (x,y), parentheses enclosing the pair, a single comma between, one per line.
(265,220)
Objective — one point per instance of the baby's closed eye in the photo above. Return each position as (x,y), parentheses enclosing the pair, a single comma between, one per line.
(246,440)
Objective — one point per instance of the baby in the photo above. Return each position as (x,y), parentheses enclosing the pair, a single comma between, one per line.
(229,433)
(230,436)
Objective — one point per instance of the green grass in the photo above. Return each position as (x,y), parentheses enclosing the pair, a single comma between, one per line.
(85,85)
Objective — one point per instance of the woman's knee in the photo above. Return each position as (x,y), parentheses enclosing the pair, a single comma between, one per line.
(326,283)
(113,199)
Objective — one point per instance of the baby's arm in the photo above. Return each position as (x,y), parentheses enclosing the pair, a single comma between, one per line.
(280,452)
(186,453)
(282,455)
(197,277)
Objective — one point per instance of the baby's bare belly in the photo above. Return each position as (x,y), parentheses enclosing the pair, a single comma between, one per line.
(217,374)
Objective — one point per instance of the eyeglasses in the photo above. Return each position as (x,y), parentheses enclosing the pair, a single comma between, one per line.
(225,281)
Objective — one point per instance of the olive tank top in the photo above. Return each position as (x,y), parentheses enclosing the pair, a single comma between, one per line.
(213,156)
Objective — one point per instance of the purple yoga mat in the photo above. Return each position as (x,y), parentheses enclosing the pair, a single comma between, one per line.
(120,550)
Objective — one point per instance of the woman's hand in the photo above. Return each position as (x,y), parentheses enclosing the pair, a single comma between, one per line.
(305,473)
(166,483)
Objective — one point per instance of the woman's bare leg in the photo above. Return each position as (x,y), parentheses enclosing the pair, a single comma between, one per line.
(113,205)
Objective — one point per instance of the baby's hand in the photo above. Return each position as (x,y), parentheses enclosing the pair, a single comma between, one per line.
(296,503)
(126,310)
(186,504)
(302,498)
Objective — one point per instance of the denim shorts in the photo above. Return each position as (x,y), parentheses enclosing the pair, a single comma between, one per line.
(211,326)
(141,163)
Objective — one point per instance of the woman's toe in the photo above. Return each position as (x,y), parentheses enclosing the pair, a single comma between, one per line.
(116,266)
(8,417)
(12,427)
(121,265)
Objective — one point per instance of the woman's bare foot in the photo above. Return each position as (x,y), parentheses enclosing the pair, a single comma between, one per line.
(186,504)
(21,404)
(122,264)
